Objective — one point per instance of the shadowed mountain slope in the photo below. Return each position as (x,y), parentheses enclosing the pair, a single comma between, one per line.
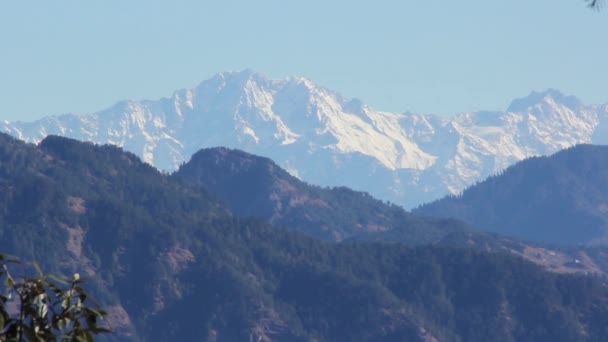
(255,186)
(172,264)
(561,199)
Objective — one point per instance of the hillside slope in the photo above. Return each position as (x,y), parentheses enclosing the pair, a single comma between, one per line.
(561,199)
(172,264)
(255,186)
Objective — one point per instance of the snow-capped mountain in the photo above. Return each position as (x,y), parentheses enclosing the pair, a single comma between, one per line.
(326,139)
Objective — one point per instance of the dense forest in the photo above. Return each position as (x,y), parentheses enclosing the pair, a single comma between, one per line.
(170,262)
(561,199)
(253,186)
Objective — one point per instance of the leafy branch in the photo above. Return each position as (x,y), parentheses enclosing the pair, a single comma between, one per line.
(45,309)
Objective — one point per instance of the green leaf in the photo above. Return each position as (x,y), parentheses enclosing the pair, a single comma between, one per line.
(80,290)
(57,279)
(38,268)
(89,337)
(9,282)
(65,303)
(55,289)
(101,330)
(9,259)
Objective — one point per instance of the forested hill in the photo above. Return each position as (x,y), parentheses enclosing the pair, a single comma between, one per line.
(251,185)
(172,264)
(561,199)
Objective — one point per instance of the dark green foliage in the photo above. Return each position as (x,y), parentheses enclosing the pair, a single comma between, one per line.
(185,269)
(332,214)
(254,186)
(46,308)
(561,199)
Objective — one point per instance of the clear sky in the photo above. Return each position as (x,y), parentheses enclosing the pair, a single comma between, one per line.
(439,57)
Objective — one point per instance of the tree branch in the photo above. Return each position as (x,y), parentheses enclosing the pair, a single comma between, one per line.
(595,4)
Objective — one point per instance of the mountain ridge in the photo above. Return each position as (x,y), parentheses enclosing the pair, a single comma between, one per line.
(333,214)
(254,186)
(559,199)
(172,264)
(326,139)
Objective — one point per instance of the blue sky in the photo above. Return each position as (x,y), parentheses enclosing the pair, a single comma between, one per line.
(438,57)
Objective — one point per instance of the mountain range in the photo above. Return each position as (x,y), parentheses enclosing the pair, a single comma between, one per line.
(171,261)
(324,138)
(253,186)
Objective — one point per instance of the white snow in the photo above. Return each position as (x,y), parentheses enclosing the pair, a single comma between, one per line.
(328,140)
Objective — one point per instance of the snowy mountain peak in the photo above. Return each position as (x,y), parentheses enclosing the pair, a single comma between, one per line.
(239,76)
(550,96)
(266,112)
(328,139)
